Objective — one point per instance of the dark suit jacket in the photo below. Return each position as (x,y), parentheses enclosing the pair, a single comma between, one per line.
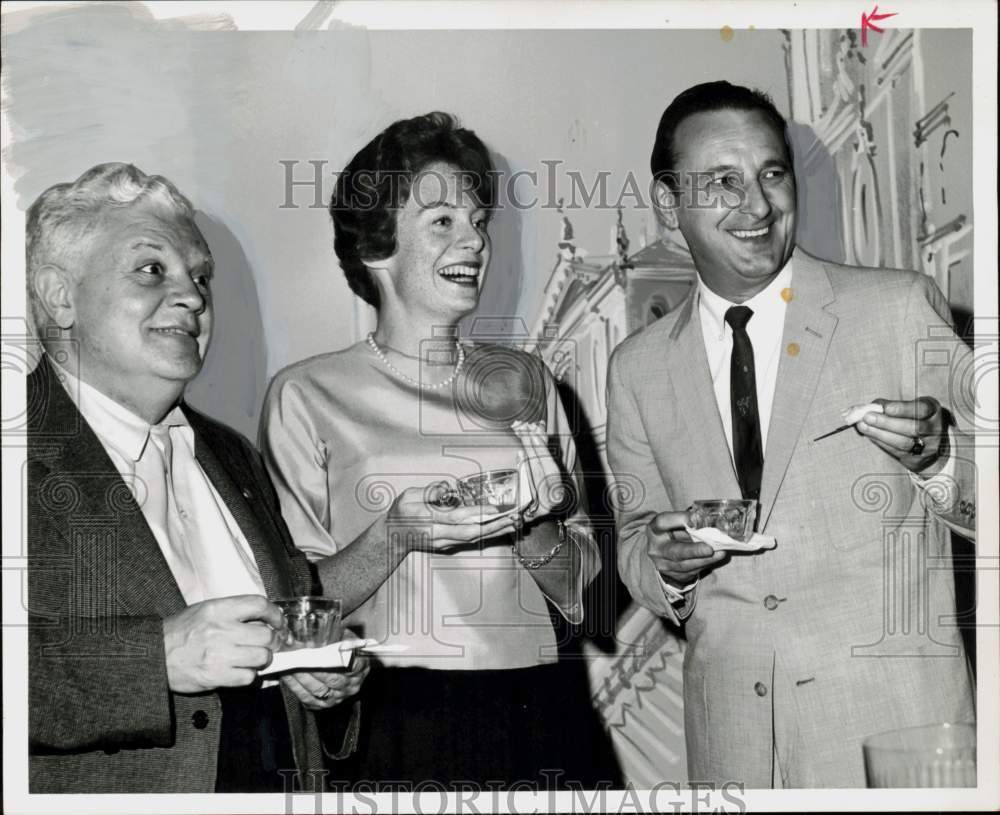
(101,716)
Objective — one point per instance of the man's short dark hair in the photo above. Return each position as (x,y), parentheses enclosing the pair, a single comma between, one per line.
(377,181)
(705,98)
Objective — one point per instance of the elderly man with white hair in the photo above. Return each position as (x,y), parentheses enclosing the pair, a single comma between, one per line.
(154,535)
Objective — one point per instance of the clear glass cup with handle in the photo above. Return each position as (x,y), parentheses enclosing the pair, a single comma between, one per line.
(310,622)
(734,516)
(498,488)
(937,755)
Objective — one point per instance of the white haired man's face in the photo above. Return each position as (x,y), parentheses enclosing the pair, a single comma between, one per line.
(141,304)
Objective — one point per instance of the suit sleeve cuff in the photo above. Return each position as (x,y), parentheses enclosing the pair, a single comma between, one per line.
(941,489)
(588,564)
(680,599)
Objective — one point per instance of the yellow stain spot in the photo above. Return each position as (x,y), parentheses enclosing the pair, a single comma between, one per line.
(753,28)
(793,349)
(786,295)
(726,33)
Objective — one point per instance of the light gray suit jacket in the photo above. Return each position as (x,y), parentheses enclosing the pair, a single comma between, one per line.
(843,630)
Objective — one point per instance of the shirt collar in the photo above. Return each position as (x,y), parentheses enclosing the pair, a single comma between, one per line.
(111,420)
(768,301)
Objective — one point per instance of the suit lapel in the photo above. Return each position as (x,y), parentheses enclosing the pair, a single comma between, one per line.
(106,514)
(214,457)
(810,327)
(688,366)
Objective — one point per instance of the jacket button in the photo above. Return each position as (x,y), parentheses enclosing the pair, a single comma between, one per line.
(760,689)
(770,602)
(247,494)
(199,719)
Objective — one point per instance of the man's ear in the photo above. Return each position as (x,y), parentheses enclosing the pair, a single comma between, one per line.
(665,203)
(54,290)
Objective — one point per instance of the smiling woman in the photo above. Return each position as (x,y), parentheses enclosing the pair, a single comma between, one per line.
(434,275)
(365,446)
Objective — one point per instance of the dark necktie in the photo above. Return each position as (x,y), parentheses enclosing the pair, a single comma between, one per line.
(747,447)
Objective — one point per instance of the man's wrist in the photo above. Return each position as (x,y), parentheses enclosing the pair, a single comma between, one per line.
(674,591)
(685,586)
(538,536)
(543,548)
(940,461)
(946,444)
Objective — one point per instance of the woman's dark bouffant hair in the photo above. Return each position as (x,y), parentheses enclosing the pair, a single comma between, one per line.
(376,183)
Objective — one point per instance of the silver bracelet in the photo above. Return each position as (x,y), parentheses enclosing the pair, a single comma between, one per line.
(538,562)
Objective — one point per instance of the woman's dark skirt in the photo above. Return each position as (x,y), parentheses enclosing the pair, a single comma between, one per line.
(488,729)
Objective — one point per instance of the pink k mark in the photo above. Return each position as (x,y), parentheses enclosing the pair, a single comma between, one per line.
(869,20)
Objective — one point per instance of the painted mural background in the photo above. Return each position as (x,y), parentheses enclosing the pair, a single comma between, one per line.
(252,125)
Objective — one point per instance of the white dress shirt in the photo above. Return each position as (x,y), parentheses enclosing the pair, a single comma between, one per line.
(764,329)
(182,531)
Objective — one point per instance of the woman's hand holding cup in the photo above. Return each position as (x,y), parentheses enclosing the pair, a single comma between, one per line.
(440,521)
(546,482)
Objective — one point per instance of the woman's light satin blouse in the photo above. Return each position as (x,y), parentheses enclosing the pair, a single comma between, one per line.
(342,437)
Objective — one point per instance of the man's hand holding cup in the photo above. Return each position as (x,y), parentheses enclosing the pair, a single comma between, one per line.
(676,556)
(221,643)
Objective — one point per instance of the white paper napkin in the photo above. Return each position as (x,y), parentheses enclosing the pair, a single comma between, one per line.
(720,541)
(329,657)
(856,413)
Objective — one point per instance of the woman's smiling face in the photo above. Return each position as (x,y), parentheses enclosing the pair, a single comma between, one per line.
(442,247)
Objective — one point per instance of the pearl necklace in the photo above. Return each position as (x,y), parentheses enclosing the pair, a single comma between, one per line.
(444,383)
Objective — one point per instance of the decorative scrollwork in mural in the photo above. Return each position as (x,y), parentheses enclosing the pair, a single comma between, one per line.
(866,205)
(938,116)
(866,223)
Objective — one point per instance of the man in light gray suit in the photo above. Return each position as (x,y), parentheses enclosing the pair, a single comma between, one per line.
(796,653)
